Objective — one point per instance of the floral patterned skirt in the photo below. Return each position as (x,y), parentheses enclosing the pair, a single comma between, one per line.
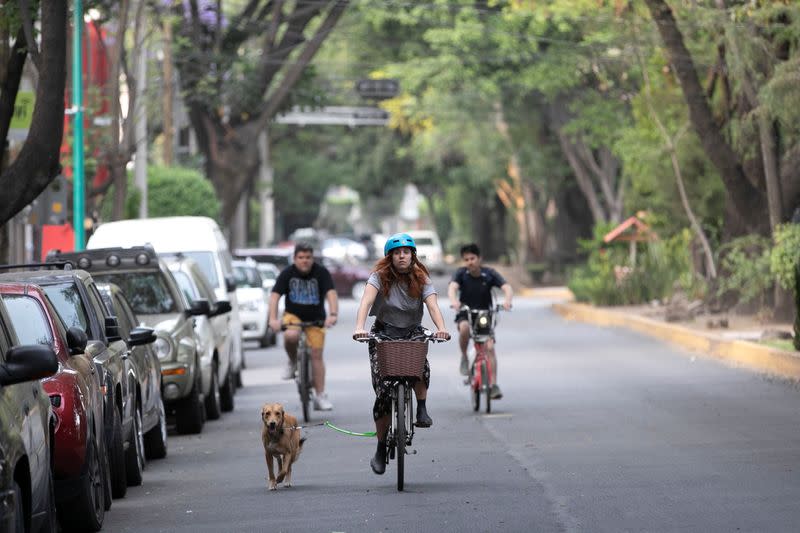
(383,400)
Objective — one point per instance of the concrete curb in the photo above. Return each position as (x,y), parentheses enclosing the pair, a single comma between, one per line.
(772,361)
(548,293)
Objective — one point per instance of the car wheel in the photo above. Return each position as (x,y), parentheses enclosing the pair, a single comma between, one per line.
(212,400)
(155,440)
(19,510)
(191,412)
(226,393)
(119,479)
(358,290)
(87,511)
(134,456)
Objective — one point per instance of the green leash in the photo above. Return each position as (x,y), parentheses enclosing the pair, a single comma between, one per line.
(353,433)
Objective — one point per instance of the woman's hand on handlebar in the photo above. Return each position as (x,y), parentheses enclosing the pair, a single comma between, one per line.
(359,334)
(442,335)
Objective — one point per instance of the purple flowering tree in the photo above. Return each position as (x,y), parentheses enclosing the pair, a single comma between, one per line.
(236,73)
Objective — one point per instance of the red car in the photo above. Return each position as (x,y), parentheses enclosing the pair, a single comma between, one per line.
(349,279)
(80,464)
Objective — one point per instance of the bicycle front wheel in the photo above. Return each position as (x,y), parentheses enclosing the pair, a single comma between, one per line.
(304,385)
(400,434)
(486,386)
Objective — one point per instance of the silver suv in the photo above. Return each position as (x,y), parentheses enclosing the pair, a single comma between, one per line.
(155,298)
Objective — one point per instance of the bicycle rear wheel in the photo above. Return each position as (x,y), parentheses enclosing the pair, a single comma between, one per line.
(485,385)
(400,434)
(304,385)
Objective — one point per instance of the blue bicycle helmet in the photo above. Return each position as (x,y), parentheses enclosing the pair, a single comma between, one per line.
(399,240)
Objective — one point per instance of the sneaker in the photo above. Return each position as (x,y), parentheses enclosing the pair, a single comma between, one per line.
(464,366)
(423,420)
(288,372)
(495,393)
(378,463)
(321,402)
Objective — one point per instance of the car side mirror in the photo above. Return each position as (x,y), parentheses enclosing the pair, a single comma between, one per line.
(112,329)
(28,363)
(141,336)
(222,307)
(230,283)
(199,307)
(76,340)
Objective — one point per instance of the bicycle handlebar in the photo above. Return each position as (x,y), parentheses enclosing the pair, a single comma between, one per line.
(498,307)
(311,324)
(425,337)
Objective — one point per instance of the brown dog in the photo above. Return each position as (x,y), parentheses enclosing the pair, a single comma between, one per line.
(282,440)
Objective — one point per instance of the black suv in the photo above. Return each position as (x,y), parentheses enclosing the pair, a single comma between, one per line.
(154,296)
(79,304)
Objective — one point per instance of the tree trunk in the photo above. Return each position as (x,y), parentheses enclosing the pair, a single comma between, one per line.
(114,158)
(582,177)
(169,95)
(748,201)
(10,87)
(38,161)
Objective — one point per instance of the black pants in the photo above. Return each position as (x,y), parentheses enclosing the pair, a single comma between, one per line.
(383,400)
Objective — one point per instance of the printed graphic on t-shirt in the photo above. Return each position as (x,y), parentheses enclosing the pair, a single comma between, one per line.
(304,291)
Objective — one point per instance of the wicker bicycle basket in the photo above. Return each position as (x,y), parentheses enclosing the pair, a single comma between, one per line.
(402,358)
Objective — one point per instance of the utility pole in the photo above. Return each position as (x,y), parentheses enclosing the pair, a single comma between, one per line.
(140,131)
(78,188)
(169,130)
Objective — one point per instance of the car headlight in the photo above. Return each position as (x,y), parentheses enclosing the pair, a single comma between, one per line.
(163,347)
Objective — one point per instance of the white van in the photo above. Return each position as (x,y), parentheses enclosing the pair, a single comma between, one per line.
(429,249)
(197,237)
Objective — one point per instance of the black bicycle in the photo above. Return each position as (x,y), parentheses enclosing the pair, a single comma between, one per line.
(303,374)
(401,362)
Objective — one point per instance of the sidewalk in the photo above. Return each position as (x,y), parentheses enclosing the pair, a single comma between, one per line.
(758,357)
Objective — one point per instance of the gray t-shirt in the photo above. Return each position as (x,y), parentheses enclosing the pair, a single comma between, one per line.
(399,309)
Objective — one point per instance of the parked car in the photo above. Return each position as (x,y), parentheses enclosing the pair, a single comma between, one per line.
(197,237)
(75,297)
(429,250)
(269,273)
(212,332)
(156,299)
(279,256)
(150,419)
(343,249)
(26,433)
(253,299)
(348,279)
(80,463)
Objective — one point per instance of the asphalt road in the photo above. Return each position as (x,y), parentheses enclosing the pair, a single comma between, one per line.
(599,430)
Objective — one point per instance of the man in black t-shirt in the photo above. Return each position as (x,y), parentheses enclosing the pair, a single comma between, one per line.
(306,285)
(472,286)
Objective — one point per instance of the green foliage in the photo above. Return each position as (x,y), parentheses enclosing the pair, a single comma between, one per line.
(608,278)
(745,268)
(785,256)
(171,191)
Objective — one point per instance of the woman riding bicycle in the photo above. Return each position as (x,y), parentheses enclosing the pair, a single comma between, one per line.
(394,295)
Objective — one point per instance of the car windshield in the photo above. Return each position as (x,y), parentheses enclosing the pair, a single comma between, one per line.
(205,260)
(147,292)
(185,284)
(424,241)
(68,304)
(246,277)
(267,272)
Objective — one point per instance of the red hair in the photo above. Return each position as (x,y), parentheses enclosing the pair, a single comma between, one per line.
(415,279)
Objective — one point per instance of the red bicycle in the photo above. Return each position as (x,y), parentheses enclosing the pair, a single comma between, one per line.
(481,328)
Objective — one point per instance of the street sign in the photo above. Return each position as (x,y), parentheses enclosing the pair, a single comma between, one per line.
(379,89)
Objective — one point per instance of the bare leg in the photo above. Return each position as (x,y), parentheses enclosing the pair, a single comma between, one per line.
(318,370)
(463,337)
(381,427)
(290,338)
(492,361)
(420,390)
